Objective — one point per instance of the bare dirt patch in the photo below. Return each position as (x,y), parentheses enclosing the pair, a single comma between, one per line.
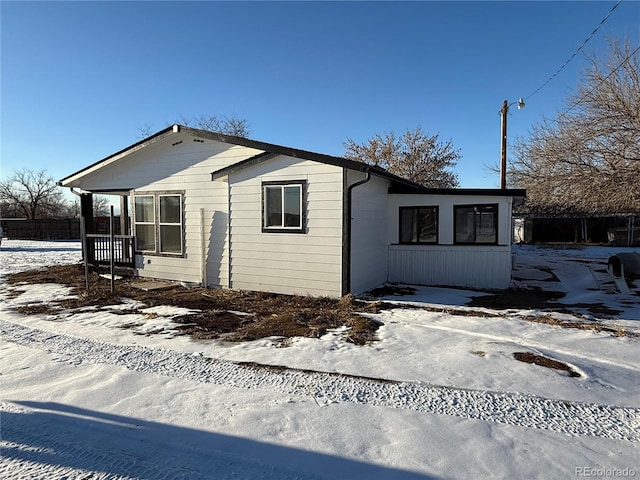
(541,360)
(229,314)
(389,290)
(537,299)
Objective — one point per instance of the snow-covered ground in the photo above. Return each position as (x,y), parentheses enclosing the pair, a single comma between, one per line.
(439,395)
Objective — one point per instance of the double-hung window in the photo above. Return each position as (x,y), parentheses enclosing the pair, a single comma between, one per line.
(170,223)
(145,223)
(419,225)
(159,227)
(283,206)
(476,224)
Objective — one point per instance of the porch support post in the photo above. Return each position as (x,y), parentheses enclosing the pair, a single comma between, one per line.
(112,250)
(86,212)
(124,215)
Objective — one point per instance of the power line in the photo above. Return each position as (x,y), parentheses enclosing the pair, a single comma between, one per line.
(614,70)
(577,51)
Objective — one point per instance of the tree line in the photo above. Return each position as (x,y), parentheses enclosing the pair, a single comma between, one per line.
(35,195)
(585,160)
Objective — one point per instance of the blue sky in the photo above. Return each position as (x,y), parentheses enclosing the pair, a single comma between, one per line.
(80,79)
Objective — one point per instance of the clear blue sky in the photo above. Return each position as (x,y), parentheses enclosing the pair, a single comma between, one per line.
(79,79)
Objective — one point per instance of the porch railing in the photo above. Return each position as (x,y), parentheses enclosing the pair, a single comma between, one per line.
(99,250)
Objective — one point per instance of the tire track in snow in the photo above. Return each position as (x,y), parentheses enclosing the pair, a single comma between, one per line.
(522,410)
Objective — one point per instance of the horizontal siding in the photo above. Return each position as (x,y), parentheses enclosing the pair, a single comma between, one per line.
(287,285)
(186,168)
(168,268)
(163,163)
(474,267)
(324,225)
(291,263)
(295,261)
(312,254)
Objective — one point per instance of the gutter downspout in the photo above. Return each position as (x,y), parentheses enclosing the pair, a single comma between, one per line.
(346,283)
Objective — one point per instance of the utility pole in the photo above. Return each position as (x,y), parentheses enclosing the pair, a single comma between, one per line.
(503,145)
(503,140)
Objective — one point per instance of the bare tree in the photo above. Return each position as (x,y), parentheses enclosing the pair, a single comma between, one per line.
(238,127)
(101,206)
(588,159)
(418,157)
(32,194)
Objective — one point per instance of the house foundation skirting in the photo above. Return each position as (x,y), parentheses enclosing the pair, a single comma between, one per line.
(484,267)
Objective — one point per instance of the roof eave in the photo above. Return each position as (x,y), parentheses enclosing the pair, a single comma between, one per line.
(496,192)
(67,181)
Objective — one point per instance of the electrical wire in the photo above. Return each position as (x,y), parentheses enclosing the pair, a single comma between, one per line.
(614,70)
(577,51)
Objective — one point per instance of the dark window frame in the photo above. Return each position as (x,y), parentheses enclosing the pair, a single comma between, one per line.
(434,208)
(157,224)
(477,207)
(303,206)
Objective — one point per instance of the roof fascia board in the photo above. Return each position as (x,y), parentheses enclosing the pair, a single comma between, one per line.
(494,192)
(236,167)
(291,152)
(245,142)
(317,157)
(122,153)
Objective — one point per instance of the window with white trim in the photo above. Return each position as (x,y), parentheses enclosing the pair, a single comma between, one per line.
(158,223)
(145,223)
(476,224)
(283,206)
(170,223)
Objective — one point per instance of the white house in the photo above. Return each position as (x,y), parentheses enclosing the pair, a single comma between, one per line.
(229,212)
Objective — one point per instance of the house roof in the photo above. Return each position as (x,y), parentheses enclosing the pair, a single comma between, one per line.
(270,150)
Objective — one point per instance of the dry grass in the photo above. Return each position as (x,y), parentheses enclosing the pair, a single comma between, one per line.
(265,314)
(260,314)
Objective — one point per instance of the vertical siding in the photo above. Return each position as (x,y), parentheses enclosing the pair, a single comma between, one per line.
(178,163)
(290,263)
(474,267)
(369,246)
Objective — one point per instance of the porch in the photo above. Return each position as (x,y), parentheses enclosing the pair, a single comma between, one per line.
(101,249)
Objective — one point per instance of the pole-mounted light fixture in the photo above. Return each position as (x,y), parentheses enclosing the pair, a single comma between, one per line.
(503,151)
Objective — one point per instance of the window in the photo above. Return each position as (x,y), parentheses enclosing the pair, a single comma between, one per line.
(418,224)
(282,205)
(145,222)
(170,223)
(476,224)
(158,223)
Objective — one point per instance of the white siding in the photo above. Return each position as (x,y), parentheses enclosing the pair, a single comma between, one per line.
(445,204)
(369,244)
(446,264)
(291,263)
(182,167)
